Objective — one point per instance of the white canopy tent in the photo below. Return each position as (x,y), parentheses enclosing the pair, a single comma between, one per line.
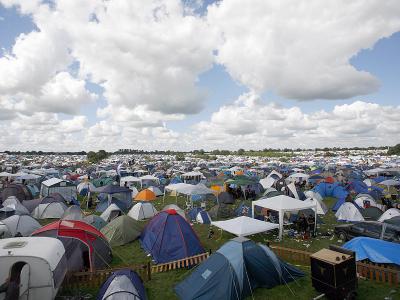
(148,178)
(188,189)
(283,204)
(244,226)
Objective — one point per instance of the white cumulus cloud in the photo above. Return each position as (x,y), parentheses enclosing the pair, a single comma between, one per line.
(301,49)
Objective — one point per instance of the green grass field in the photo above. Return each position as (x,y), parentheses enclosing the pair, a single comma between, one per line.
(161,285)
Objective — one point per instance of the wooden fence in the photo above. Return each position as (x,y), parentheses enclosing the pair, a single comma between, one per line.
(182,263)
(365,269)
(78,280)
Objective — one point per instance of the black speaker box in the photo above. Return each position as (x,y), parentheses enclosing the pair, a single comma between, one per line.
(333,273)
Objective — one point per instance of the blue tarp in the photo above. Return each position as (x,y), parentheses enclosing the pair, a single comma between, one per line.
(377,251)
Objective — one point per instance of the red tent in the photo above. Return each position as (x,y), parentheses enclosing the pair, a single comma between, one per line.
(85,246)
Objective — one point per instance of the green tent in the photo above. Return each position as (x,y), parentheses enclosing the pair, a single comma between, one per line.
(122,230)
(240,180)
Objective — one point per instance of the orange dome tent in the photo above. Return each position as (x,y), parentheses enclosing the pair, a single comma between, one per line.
(145,195)
(329,179)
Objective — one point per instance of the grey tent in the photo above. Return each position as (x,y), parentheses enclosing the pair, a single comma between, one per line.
(24,225)
(18,190)
(73,212)
(95,221)
(54,197)
(394,221)
(371,213)
(221,211)
(226,198)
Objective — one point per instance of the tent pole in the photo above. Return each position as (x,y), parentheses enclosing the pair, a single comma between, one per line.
(252,210)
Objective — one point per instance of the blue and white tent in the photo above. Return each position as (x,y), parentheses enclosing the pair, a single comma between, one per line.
(122,284)
(234,271)
(203,217)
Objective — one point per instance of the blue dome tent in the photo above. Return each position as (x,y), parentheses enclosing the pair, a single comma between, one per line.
(235,270)
(124,284)
(332,190)
(168,237)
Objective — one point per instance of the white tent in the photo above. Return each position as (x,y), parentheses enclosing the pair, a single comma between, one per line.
(322,209)
(40,263)
(244,226)
(24,225)
(349,212)
(54,210)
(142,211)
(390,213)
(111,212)
(282,204)
(130,180)
(267,182)
(313,195)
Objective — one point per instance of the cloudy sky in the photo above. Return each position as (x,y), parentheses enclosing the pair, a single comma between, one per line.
(191,74)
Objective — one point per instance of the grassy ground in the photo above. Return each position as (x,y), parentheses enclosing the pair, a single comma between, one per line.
(161,284)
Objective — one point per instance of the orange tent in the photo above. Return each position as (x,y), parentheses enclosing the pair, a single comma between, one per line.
(329,179)
(145,195)
(217,189)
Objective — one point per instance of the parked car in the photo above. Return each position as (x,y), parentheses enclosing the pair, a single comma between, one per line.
(372,229)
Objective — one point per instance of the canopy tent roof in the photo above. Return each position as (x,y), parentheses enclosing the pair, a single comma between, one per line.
(189,189)
(282,204)
(192,174)
(244,226)
(240,180)
(299,175)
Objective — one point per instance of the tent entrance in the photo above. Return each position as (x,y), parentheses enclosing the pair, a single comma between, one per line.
(18,282)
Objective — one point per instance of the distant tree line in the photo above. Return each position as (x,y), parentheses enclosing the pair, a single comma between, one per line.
(395,150)
(201,152)
(45,153)
(95,157)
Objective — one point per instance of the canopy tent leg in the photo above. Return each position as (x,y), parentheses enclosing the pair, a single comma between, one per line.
(280,225)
